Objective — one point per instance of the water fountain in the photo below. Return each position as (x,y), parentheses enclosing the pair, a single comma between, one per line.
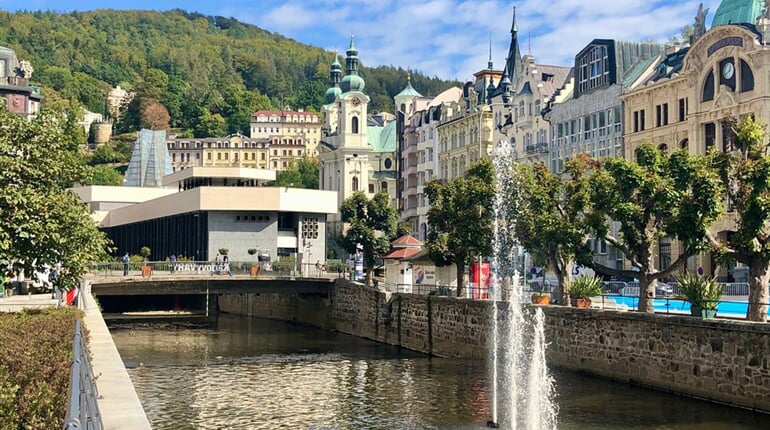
(522,388)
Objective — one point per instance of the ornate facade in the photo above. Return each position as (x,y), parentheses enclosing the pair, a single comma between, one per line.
(292,134)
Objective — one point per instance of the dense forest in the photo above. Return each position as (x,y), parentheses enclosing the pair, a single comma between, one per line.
(209,73)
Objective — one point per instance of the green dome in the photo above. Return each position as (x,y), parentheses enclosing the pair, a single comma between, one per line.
(352,83)
(738,12)
(331,94)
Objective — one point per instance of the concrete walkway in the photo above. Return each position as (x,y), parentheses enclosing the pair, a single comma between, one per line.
(118,402)
(27,301)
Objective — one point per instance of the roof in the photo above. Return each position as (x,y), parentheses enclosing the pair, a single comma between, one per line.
(637,70)
(409,91)
(449,95)
(738,12)
(406,240)
(382,139)
(401,253)
(283,113)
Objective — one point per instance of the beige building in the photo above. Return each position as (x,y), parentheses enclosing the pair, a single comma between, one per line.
(682,100)
(293,134)
(235,150)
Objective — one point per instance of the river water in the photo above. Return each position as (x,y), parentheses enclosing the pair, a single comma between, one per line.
(235,372)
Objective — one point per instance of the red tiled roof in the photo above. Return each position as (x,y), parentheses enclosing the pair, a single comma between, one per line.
(406,240)
(401,253)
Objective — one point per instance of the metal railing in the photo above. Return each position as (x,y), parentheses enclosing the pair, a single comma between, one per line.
(210,268)
(83,411)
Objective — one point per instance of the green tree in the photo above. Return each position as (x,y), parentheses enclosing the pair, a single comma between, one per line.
(371,224)
(676,196)
(745,174)
(461,218)
(302,173)
(41,222)
(550,221)
(210,125)
(105,175)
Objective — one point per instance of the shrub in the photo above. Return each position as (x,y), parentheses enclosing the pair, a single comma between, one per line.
(701,292)
(35,370)
(585,287)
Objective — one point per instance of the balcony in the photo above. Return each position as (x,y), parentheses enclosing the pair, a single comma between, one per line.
(540,148)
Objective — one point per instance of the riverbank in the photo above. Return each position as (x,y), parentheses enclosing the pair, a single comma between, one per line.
(721,361)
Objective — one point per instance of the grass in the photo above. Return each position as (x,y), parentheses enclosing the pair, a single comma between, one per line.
(35,356)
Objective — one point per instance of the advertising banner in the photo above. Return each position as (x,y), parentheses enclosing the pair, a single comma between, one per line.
(425,275)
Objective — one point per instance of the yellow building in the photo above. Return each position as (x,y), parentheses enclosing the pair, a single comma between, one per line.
(235,150)
(294,133)
(682,99)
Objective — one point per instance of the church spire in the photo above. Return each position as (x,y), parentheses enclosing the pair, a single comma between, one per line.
(489,62)
(513,61)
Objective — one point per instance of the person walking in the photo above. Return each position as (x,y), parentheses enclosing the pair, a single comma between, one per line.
(126,258)
(172,263)
(226,264)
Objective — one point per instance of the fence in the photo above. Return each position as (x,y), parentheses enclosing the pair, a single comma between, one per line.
(83,411)
(208,268)
(631,289)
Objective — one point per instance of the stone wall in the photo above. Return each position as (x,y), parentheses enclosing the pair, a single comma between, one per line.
(719,360)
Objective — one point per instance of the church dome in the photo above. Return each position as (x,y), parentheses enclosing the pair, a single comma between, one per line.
(352,83)
(331,95)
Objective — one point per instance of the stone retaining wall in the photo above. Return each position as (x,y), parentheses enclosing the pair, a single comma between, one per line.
(719,360)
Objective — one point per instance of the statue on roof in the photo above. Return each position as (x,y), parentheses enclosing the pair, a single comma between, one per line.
(699,28)
(766,12)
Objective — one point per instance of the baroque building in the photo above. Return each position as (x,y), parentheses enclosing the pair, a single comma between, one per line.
(293,134)
(684,98)
(354,154)
(235,150)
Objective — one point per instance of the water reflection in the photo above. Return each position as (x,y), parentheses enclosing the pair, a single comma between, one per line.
(242,373)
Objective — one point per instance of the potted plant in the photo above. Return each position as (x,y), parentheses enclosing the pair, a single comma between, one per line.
(582,289)
(146,269)
(254,270)
(541,298)
(702,293)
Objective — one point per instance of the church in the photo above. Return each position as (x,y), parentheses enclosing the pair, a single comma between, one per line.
(357,151)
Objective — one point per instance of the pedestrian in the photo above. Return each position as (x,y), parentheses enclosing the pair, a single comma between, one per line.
(226,264)
(318,266)
(172,263)
(126,258)
(217,264)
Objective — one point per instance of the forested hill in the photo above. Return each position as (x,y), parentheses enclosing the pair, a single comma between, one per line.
(210,72)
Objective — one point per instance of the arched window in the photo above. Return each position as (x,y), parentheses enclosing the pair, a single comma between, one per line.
(684,143)
(708,87)
(355,183)
(354,124)
(663,148)
(383,186)
(403,108)
(747,77)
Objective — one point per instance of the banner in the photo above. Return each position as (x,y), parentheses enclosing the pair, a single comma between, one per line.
(480,288)
(425,275)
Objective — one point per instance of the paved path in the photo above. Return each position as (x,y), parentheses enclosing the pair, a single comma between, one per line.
(27,301)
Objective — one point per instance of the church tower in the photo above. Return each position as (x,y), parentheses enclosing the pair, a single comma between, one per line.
(353,103)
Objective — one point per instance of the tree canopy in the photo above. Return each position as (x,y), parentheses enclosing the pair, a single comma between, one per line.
(41,221)
(198,67)
(372,224)
(659,195)
(745,174)
(302,173)
(461,218)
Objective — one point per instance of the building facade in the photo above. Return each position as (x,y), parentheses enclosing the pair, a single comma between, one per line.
(235,150)
(354,156)
(682,103)
(293,134)
(16,92)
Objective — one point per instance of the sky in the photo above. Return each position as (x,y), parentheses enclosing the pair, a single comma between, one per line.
(445,38)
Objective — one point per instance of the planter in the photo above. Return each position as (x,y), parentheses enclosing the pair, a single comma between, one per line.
(697,311)
(539,299)
(580,303)
(254,271)
(146,271)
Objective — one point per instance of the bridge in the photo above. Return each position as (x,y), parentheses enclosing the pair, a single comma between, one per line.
(197,285)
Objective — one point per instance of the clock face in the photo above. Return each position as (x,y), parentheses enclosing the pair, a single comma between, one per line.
(355,101)
(728,70)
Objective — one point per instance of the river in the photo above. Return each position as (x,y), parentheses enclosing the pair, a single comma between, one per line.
(235,372)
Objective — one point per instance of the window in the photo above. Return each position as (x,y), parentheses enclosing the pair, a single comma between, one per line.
(641,120)
(371,188)
(710,131)
(636,121)
(355,184)
(708,88)
(354,124)
(383,186)
(682,109)
(747,77)
(658,116)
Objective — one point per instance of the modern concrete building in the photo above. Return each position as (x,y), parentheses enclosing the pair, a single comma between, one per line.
(16,92)
(684,96)
(292,134)
(203,209)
